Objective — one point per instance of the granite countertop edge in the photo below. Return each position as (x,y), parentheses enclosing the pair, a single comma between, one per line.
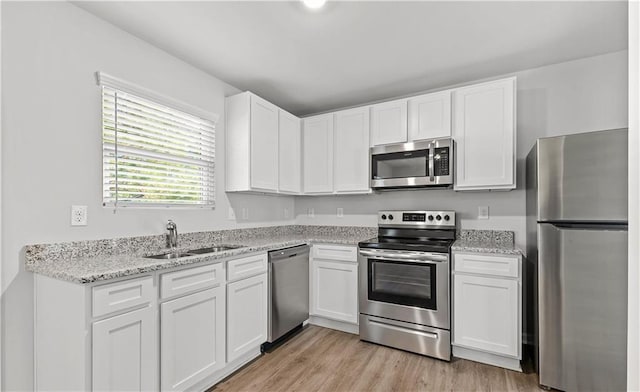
(80,270)
(485,247)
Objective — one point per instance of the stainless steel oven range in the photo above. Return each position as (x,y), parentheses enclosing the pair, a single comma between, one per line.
(403,282)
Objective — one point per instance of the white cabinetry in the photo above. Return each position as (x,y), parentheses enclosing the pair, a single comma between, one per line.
(290,155)
(246,315)
(192,338)
(389,122)
(484,131)
(252,145)
(487,296)
(167,330)
(318,154)
(124,356)
(334,287)
(351,154)
(430,116)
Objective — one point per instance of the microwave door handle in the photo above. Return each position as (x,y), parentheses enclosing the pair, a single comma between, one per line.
(431,165)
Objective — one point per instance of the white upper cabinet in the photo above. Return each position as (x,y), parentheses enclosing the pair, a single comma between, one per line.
(389,122)
(430,116)
(264,144)
(252,147)
(484,131)
(290,157)
(318,154)
(351,153)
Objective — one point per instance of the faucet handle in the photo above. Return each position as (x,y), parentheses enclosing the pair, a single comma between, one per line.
(171,225)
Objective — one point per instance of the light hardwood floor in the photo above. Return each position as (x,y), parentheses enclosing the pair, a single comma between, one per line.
(320,359)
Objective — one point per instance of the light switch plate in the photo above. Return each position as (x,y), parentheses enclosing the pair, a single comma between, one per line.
(78,215)
(483,212)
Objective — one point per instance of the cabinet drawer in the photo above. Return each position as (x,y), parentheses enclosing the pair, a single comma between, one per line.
(191,279)
(335,252)
(246,266)
(114,297)
(487,265)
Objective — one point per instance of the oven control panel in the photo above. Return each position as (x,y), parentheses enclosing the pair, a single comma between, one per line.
(417,218)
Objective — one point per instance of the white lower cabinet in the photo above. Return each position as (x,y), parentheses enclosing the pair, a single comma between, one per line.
(166,330)
(334,287)
(246,315)
(487,311)
(192,338)
(124,355)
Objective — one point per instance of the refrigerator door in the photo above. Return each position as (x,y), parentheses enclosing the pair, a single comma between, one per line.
(582,296)
(583,177)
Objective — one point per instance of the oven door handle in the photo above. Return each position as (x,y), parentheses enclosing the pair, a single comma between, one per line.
(419,258)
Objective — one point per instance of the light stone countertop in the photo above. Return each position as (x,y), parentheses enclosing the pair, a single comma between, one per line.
(93,261)
(486,241)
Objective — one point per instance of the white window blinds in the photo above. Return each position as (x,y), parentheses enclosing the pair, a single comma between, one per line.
(154,155)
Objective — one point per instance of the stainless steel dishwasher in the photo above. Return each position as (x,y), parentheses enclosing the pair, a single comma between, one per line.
(288,293)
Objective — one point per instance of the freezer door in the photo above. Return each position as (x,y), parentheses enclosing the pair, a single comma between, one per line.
(582,294)
(583,177)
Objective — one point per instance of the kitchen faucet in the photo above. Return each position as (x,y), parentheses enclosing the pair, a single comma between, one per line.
(172,234)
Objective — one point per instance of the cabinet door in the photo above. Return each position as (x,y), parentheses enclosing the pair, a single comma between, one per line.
(430,116)
(246,315)
(334,290)
(264,144)
(486,314)
(124,354)
(389,122)
(318,154)
(484,131)
(290,157)
(351,154)
(192,338)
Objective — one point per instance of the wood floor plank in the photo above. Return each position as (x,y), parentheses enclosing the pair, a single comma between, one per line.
(321,359)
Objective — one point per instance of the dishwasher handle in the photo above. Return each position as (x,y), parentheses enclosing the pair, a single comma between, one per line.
(302,250)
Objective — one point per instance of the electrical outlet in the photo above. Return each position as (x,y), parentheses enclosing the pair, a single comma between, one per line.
(78,215)
(340,212)
(311,213)
(483,212)
(245,213)
(232,214)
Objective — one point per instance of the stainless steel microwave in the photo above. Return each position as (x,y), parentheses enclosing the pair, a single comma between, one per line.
(419,164)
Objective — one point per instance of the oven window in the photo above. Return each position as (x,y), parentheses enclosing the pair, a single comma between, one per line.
(400,165)
(402,283)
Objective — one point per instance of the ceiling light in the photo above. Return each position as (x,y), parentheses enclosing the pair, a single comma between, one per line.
(314,4)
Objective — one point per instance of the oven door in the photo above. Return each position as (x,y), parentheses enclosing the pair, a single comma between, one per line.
(406,286)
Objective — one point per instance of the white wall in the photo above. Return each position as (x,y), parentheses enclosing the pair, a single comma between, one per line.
(633,321)
(577,96)
(51,148)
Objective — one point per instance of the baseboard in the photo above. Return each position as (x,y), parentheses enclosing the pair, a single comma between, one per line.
(490,359)
(228,370)
(334,324)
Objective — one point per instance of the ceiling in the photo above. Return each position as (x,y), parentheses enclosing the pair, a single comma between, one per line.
(351,53)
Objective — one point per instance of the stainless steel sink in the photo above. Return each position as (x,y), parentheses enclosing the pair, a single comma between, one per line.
(192,252)
(167,256)
(213,249)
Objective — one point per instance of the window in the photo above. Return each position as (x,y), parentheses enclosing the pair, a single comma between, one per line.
(153,153)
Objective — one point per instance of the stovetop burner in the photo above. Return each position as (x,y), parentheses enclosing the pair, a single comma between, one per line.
(421,231)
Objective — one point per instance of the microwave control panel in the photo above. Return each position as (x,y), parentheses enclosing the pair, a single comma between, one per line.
(441,161)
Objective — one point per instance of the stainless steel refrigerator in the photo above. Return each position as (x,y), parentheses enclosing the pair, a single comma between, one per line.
(577,251)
